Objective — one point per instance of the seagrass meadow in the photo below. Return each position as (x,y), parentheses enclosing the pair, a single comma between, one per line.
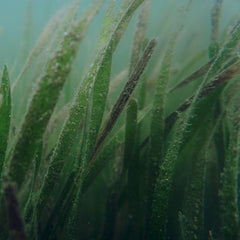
(120,119)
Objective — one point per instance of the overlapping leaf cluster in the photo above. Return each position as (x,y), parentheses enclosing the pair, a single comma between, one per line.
(94,168)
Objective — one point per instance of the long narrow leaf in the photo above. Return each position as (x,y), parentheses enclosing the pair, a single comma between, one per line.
(220,79)
(139,35)
(44,100)
(125,95)
(50,35)
(165,178)
(101,84)
(5,114)
(99,76)
(216,11)
(158,124)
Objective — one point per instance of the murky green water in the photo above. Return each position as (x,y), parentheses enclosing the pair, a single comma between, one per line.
(119,119)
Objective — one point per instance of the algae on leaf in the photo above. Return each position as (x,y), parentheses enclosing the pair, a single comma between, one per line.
(124,96)
(216,12)
(229,176)
(141,144)
(5,115)
(116,111)
(51,36)
(45,98)
(98,79)
(157,128)
(101,83)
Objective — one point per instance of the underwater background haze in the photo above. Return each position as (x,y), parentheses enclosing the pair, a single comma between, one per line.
(120,119)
